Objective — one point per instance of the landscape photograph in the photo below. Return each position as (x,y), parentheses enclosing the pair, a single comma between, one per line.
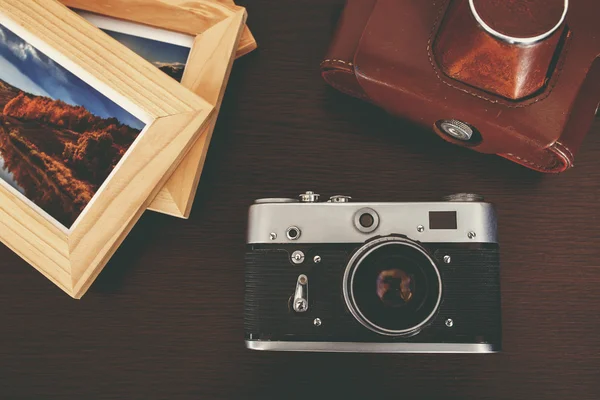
(169,58)
(59,137)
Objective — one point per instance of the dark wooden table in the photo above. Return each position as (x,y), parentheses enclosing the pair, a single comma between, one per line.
(164,319)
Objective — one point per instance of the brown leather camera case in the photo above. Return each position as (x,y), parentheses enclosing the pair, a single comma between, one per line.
(524,74)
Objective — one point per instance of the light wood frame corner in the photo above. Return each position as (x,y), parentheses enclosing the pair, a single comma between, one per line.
(72,257)
(220,33)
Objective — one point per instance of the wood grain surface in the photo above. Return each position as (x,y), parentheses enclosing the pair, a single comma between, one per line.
(164,319)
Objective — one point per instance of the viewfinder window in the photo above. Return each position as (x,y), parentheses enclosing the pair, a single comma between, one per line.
(442,220)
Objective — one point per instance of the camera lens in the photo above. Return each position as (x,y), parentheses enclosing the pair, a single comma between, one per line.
(392,286)
(395,287)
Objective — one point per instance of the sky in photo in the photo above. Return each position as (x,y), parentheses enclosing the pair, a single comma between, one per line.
(154,51)
(25,67)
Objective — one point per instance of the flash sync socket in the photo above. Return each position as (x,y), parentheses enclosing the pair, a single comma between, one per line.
(293,233)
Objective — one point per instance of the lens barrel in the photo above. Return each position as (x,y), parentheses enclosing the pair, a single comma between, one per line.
(392,286)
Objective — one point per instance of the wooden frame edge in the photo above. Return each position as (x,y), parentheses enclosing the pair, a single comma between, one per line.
(97,229)
(206,74)
(38,250)
(247,43)
(174,117)
(214,61)
(189,26)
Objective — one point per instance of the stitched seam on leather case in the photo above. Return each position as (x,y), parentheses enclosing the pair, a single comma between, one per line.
(566,164)
(559,69)
(337,86)
(559,149)
(568,158)
(566,149)
(530,162)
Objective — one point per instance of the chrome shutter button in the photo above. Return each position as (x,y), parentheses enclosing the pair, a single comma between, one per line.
(340,199)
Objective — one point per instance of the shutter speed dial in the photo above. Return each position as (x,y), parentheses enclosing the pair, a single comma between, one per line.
(340,199)
(309,197)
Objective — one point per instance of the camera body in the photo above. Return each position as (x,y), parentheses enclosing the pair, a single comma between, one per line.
(339,276)
(520,79)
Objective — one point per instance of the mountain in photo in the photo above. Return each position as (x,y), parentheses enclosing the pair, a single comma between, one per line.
(55,153)
(25,67)
(174,70)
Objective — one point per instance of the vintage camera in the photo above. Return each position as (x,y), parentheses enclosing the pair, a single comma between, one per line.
(518,78)
(340,276)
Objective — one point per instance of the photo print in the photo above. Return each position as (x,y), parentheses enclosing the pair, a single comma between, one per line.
(59,137)
(169,58)
(166,50)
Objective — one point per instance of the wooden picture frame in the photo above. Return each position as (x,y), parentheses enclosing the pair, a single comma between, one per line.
(215,27)
(45,47)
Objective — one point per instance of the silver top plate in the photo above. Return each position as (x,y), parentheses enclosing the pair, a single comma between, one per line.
(337,222)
